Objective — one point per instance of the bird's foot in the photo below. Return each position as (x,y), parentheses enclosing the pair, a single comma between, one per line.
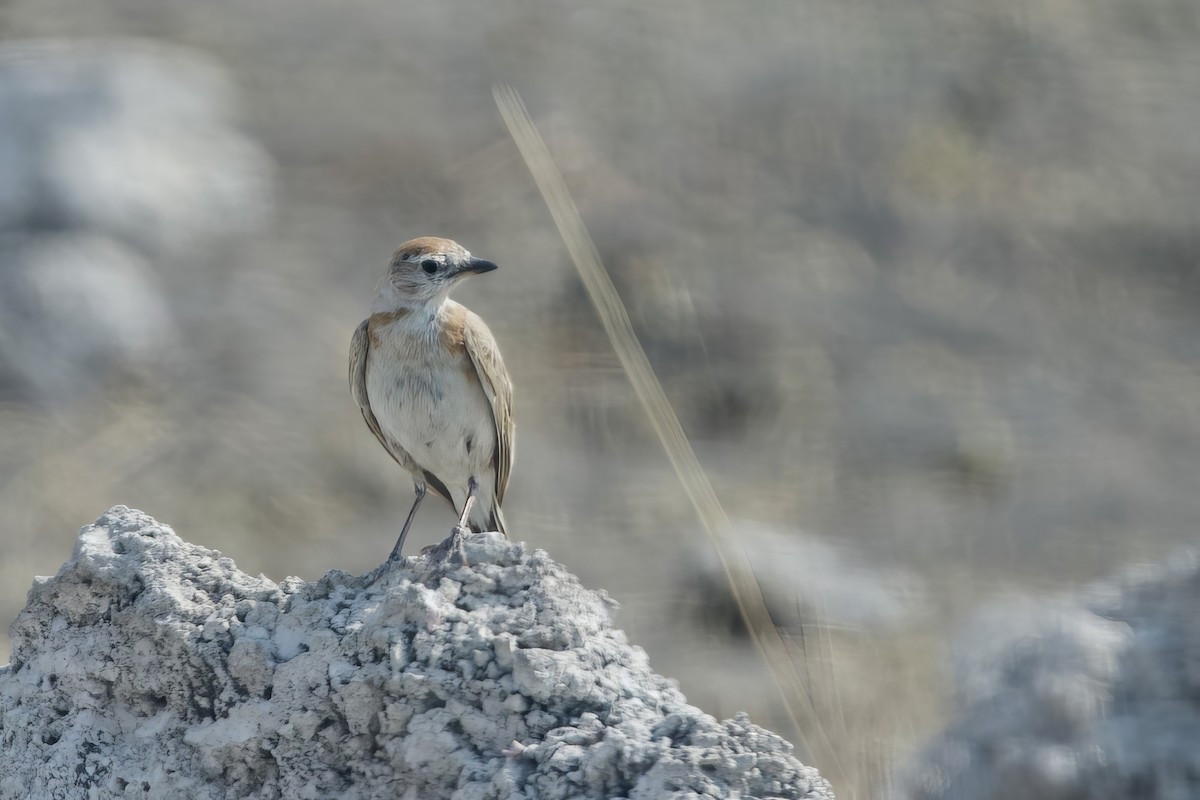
(393,561)
(451,549)
(375,574)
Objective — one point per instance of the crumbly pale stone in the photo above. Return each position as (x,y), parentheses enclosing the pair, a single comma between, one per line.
(149,667)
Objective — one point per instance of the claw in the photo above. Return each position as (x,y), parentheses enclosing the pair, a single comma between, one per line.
(451,548)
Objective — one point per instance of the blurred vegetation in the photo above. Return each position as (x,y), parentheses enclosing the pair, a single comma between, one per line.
(921,279)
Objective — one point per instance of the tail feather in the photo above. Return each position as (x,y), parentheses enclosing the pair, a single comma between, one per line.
(496,522)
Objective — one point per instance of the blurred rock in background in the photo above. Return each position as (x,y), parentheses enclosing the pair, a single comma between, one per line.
(806,584)
(118,157)
(1085,696)
(130,138)
(74,309)
(920,279)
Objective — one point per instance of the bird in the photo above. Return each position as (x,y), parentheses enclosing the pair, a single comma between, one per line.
(427,375)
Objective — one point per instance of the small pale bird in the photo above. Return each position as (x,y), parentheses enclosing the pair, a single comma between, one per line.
(428,377)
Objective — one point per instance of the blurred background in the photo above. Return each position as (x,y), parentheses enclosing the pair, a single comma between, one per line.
(921,279)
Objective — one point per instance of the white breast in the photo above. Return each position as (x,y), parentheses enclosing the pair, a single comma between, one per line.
(429,402)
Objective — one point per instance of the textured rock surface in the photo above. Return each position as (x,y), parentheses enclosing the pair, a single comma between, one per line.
(1093,696)
(149,667)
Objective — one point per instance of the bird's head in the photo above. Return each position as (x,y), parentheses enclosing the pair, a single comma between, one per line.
(426,269)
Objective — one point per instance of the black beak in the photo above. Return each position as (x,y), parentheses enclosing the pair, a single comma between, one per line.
(478,266)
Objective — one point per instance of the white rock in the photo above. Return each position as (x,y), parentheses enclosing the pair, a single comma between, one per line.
(126,137)
(1095,695)
(74,307)
(154,668)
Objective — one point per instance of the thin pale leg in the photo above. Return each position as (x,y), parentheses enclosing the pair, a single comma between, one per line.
(469,503)
(412,512)
(452,548)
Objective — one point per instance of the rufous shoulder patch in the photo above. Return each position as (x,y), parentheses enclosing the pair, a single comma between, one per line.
(381,319)
(454,320)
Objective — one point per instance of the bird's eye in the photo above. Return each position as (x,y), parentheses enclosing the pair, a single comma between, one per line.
(429,265)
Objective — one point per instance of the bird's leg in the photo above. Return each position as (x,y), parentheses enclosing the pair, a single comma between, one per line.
(462,521)
(412,512)
(472,487)
(452,548)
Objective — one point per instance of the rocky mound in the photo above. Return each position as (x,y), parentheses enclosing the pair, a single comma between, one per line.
(150,667)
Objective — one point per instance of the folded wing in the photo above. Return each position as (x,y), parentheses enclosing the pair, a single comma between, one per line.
(485,356)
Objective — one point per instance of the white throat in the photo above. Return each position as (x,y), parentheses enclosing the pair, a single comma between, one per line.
(389,298)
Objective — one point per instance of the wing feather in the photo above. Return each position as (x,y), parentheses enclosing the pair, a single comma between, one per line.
(360,346)
(485,356)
